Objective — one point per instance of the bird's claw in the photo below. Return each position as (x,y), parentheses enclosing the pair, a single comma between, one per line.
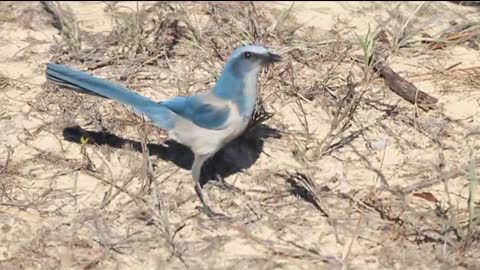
(211,214)
(220,182)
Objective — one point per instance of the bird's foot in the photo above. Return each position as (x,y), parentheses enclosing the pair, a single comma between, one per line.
(205,208)
(220,182)
(211,214)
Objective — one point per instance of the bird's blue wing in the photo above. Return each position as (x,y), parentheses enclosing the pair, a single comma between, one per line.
(201,113)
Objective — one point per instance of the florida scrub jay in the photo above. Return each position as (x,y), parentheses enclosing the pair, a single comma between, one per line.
(204,122)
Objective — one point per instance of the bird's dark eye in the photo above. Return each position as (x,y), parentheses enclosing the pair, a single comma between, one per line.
(247,55)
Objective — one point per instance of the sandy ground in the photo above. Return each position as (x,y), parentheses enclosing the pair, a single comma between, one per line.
(68,206)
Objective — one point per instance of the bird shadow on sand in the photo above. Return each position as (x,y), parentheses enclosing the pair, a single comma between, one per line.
(238,155)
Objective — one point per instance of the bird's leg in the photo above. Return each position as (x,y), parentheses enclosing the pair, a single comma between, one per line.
(222,184)
(196,172)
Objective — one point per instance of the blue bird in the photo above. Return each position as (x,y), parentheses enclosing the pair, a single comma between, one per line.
(204,122)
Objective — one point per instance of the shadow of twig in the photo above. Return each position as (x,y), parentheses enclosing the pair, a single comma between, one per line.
(303,187)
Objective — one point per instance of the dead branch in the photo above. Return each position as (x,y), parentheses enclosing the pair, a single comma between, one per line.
(401,86)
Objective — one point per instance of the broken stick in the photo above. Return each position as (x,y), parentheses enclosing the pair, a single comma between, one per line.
(402,87)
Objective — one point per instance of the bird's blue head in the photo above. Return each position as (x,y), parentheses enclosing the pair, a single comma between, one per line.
(239,77)
(249,60)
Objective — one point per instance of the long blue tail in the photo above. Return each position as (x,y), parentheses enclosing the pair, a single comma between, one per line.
(85,83)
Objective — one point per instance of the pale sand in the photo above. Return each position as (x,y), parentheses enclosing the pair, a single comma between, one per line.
(68,238)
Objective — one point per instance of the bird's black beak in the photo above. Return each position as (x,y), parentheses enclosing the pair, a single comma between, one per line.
(272,58)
